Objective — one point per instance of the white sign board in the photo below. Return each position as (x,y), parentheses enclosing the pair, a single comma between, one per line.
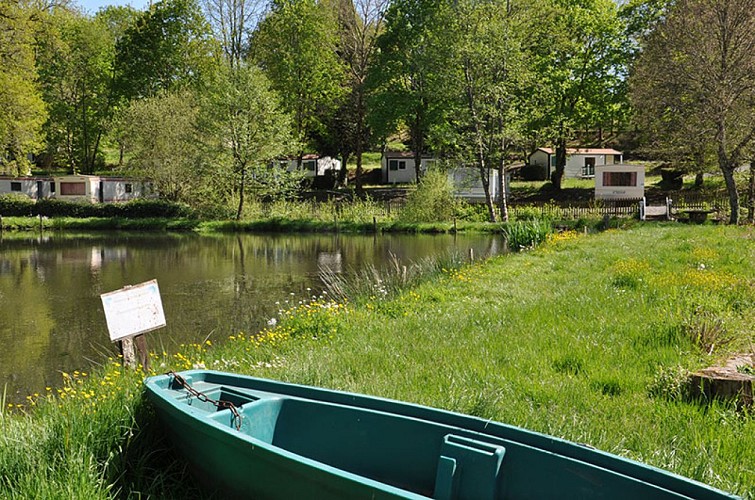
(133,310)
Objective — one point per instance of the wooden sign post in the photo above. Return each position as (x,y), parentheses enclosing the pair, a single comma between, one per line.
(131,312)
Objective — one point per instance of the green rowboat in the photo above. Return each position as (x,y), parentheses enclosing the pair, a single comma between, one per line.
(256,438)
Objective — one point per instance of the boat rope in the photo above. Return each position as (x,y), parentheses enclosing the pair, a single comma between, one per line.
(219,404)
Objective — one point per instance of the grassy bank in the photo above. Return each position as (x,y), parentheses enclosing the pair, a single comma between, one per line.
(583,338)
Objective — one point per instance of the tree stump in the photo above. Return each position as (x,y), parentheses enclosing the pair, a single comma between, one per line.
(728,382)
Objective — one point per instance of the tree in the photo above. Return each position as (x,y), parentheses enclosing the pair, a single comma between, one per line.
(296,47)
(170,156)
(360,24)
(579,60)
(75,68)
(169,46)
(409,74)
(697,68)
(233,22)
(250,130)
(489,68)
(23,111)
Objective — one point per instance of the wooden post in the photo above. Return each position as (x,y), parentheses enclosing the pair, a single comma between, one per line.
(374,223)
(126,347)
(130,348)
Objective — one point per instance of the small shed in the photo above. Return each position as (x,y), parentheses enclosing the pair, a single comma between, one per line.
(33,187)
(620,181)
(398,166)
(580,162)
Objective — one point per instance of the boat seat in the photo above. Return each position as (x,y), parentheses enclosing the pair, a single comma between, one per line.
(468,469)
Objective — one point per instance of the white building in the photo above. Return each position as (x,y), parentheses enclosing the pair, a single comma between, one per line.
(468,185)
(398,167)
(313,165)
(33,187)
(620,181)
(94,188)
(580,162)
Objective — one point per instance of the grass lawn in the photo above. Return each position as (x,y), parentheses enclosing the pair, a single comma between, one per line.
(584,338)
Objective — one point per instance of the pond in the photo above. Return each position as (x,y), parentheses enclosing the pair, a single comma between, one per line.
(51,315)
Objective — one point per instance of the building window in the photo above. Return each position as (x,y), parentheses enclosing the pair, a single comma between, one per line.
(73,189)
(588,170)
(397,165)
(620,179)
(127,188)
(15,186)
(52,186)
(310,165)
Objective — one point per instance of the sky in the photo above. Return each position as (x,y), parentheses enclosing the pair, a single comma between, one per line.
(92,6)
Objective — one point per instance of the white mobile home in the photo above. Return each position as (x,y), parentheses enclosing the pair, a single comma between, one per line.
(619,182)
(398,167)
(313,165)
(94,189)
(33,187)
(580,162)
(468,185)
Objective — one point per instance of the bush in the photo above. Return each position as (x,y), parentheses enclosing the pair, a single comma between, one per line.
(534,173)
(16,205)
(432,201)
(526,234)
(135,209)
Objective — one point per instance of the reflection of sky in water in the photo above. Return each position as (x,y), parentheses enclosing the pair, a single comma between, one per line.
(51,316)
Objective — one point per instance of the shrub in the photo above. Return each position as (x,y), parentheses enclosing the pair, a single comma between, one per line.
(135,209)
(16,205)
(526,234)
(432,201)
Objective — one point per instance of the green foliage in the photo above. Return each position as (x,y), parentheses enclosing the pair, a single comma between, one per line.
(75,70)
(521,235)
(169,46)
(23,111)
(135,209)
(249,132)
(295,44)
(432,201)
(18,205)
(669,383)
(172,156)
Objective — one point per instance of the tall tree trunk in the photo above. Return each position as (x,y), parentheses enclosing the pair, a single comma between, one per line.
(727,166)
(241,192)
(699,177)
(358,139)
(558,175)
(418,139)
(751,194)
(503,201)
(731,189)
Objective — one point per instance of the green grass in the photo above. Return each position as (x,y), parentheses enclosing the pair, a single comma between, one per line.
(580,338)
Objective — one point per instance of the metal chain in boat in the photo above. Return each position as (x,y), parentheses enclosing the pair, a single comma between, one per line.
(220,404)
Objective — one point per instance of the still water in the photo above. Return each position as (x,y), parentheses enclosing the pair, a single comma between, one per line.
(51,316)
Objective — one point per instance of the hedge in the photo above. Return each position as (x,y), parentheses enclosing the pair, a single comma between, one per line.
(22,206)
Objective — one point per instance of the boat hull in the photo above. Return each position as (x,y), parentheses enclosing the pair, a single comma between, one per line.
(304,442)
